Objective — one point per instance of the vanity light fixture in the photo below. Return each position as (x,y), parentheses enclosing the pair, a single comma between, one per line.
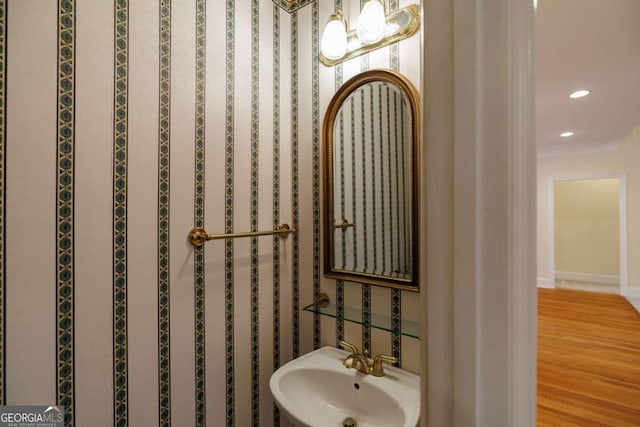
(566,134)
(579,94)
(373,31)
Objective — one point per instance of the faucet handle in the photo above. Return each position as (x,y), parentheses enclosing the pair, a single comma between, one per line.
(349,347)
(376,369)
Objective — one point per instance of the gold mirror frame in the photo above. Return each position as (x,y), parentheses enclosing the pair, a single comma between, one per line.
(412,96)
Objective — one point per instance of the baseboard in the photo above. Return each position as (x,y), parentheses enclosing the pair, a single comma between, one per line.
(544,282)
(633,292)
(588,278)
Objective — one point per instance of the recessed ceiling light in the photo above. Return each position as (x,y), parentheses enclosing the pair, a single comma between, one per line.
(579,93)
(566,134)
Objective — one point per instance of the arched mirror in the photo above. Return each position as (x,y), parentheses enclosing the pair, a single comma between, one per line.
(371,134)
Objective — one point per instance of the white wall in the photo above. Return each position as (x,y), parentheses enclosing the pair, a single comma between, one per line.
(587,226)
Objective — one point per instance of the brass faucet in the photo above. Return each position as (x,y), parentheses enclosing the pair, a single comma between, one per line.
(362,363)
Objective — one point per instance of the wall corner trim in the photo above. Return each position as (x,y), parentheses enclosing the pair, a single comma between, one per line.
(481,305)
(545,282)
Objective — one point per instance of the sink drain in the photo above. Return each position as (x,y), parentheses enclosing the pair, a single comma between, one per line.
(349,422)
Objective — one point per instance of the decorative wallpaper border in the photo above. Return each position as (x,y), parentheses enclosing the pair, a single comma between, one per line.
(373,185)
(364,187)
(396,294)
(339,311)
(164,354)
(276,198)
(339,80)
(199,196)
(366,317)
(315,111)
(382,199)
(292,5)
(341,142)
(3,194)
(65,394)
(229,263)
(393,240)
(396,325)
(120,143)
(295,208)
(255,278)
(355,230)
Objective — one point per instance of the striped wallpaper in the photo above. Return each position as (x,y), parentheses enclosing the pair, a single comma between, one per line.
(167,116)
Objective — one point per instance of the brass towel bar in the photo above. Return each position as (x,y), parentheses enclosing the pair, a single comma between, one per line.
(198,236)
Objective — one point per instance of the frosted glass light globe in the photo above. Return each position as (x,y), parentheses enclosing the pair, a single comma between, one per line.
(371,25)
(334,40)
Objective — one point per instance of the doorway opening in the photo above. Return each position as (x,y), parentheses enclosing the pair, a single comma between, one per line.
(587,245)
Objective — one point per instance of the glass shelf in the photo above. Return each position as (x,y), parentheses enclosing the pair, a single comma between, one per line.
(408,328)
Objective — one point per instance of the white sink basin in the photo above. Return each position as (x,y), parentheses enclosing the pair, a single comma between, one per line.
(317,390)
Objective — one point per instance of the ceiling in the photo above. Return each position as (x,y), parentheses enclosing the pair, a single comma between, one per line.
(586,44)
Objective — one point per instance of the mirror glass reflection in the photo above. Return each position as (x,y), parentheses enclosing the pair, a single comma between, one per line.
(372,182)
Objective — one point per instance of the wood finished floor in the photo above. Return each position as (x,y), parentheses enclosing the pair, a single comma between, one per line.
(588,360)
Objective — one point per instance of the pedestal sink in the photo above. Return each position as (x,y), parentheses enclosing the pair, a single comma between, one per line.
(317,390)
